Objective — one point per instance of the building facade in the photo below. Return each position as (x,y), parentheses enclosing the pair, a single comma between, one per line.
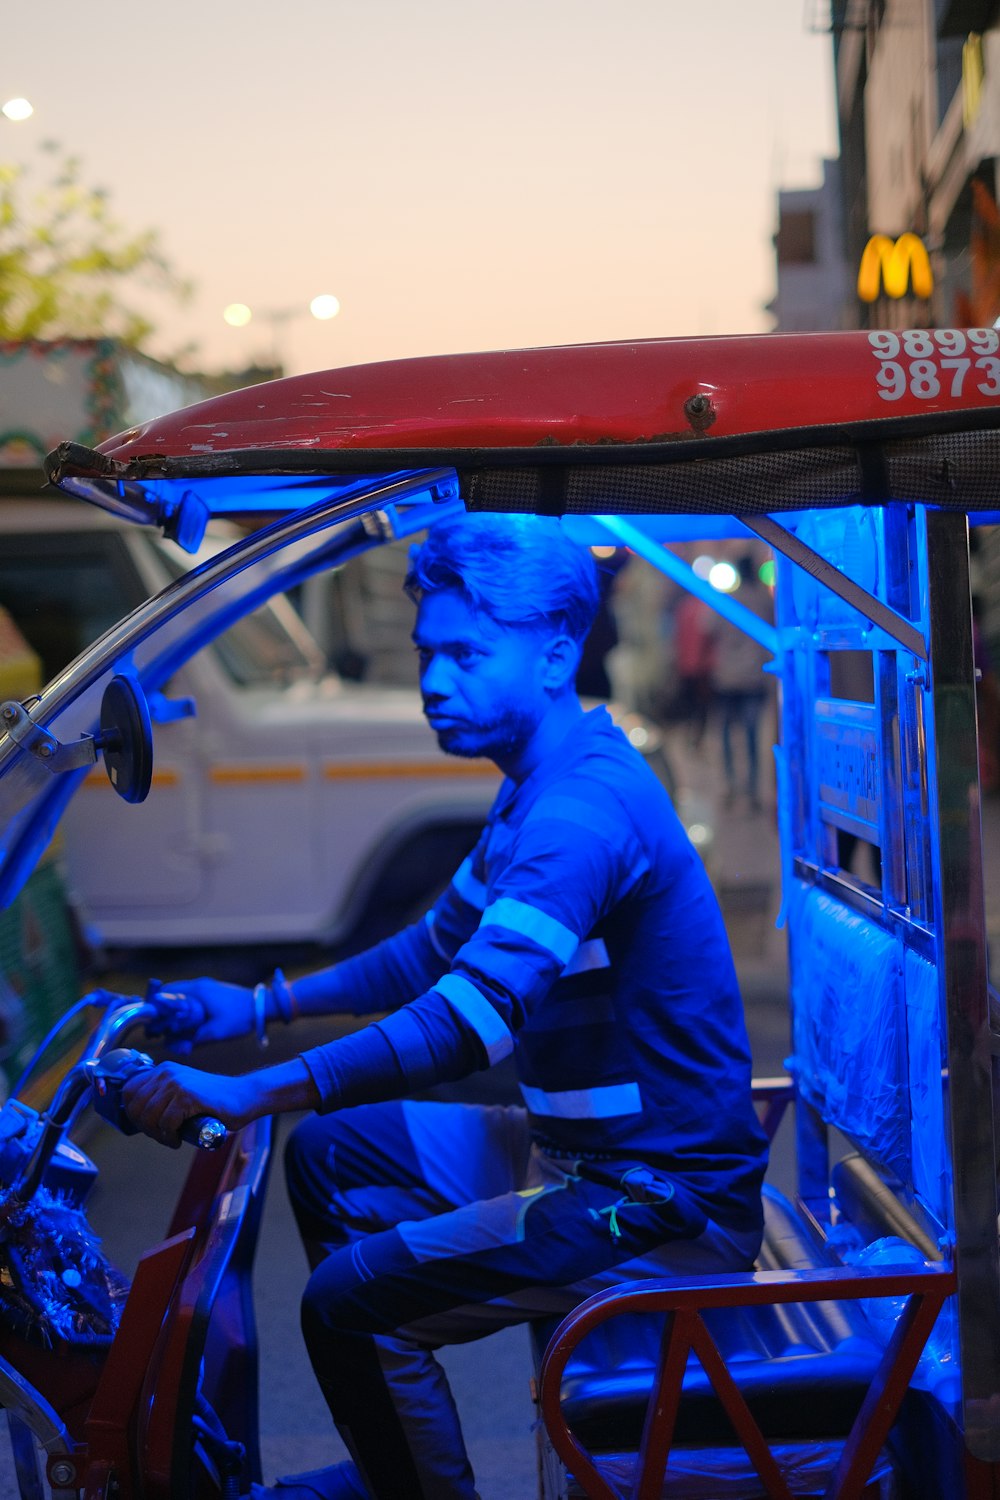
(814,280)
(918,101)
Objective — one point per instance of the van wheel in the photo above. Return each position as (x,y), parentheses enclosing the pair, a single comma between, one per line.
(412,877)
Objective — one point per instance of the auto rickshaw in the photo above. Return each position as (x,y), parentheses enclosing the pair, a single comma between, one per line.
(862,1354)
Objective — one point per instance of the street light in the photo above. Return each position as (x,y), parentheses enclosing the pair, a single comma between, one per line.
(17,110)
(322,307)
(237,314)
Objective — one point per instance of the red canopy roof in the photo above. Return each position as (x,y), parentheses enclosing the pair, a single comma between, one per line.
(652,391)
(747,424)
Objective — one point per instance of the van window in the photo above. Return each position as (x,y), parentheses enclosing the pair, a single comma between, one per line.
(258,651)
(63,593)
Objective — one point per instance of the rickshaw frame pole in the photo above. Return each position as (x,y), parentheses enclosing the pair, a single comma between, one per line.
(959,919)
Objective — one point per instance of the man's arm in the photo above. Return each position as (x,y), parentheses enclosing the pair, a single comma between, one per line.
(563,875)
(569,863)
(394,971)
(160,1099)
(382,978)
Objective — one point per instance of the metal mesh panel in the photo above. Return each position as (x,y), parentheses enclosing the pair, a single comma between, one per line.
(954,469)
(951,469)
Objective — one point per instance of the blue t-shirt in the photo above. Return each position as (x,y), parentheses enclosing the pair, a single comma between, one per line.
(583,936)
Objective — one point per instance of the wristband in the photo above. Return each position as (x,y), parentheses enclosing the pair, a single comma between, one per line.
(284,998)
(260,1013)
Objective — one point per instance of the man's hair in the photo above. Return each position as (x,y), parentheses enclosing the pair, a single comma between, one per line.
(519,570)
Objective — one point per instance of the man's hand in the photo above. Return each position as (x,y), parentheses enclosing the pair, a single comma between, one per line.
(160,1099)
(207,1010)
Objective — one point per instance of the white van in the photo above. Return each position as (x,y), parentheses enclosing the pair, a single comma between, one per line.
(290,805)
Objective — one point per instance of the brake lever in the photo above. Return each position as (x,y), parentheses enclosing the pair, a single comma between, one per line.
(108,1076)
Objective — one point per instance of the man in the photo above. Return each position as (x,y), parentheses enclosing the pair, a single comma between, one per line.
(740,684)
(582,935)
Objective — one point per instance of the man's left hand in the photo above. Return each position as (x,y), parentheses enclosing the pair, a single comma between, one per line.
(160,1099)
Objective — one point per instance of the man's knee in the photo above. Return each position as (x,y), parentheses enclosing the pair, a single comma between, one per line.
(334,1301)
(310,1156)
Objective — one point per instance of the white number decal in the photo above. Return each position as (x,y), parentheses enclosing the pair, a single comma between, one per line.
(951,340)
(884,345)
(927,364)
(990,386)
(961,369)
(891,380)
(984,340)
(924,382)
(917,344)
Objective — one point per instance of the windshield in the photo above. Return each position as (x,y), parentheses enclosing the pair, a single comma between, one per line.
(269,648)
(160,635)
(260,652)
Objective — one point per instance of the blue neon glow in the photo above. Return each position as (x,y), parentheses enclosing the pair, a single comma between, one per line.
(182,508)
(629,535)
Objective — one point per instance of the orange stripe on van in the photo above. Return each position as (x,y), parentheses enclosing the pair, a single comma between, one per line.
(229,775)
(98,778)
(388,769)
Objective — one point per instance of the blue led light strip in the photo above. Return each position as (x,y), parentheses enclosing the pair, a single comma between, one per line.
(681,572)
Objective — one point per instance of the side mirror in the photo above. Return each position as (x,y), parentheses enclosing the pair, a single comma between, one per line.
(126,738)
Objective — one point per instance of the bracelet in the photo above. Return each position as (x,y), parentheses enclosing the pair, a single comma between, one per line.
(284,997)
(260,1013)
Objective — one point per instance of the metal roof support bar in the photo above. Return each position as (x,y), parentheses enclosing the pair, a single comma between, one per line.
(873,609)
(681,572)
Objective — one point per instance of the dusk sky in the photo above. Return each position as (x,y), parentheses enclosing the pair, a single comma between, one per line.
(460,176)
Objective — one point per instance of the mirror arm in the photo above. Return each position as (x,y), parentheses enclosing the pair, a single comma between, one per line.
(53,754)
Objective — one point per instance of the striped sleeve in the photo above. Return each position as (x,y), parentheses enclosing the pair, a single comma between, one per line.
(393,972)
(409,1050)
(568,865)
(458,911)
(572,860)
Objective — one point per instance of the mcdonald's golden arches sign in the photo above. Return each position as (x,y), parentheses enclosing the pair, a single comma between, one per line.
(893,266)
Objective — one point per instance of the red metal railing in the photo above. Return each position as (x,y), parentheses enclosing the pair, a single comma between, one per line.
(685,1330)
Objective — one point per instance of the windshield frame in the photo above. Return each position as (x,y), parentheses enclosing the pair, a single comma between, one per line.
(32,798)
(118,642)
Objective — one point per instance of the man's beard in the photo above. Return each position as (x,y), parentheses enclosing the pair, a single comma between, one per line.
(494,740)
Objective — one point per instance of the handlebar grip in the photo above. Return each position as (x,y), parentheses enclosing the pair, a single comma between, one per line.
(108,1076)
(205,1132)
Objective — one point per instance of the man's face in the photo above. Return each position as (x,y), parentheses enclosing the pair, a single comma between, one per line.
(481,682)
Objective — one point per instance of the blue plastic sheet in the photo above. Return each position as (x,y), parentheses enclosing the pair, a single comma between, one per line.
(849,1026)
(931,1171)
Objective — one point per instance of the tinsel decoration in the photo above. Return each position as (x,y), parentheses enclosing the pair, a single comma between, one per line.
(55,1283)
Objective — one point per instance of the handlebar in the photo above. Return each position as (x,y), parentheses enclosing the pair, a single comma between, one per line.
(103,1069)
(108,1076)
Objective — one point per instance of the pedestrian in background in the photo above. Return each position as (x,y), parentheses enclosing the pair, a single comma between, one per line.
(740,686)
(694,660)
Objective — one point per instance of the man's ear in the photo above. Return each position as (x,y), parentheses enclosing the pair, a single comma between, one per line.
(562,662)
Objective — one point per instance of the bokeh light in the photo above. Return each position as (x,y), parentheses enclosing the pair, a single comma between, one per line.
(702,566)
(324,306)
(724,577)
(17,109)
(237,314)
(766,573)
